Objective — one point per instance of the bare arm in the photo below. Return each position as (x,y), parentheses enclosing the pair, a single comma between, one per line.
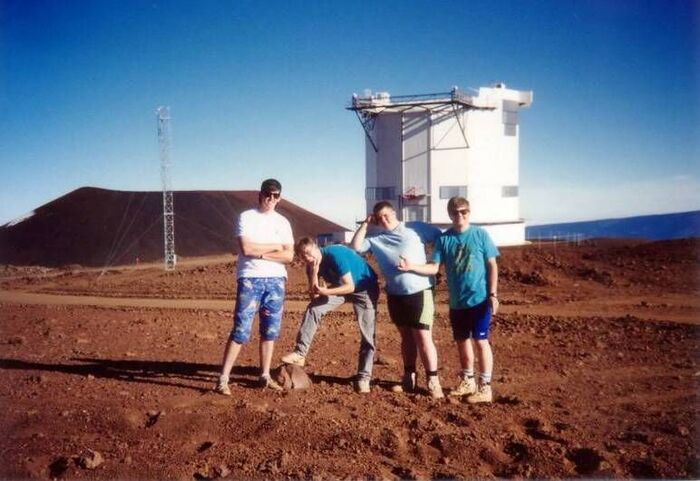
(429,269)
(312,276)
(360,234)
(492,283)
(347,286)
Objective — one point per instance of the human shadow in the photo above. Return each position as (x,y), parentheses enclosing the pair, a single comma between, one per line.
(188,375)
(348,381)
(337,380)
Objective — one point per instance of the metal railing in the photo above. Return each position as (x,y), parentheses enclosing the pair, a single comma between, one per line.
(454,96)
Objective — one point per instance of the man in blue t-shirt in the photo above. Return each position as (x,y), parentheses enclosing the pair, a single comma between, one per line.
(348,278)
(409,295)
(469,256)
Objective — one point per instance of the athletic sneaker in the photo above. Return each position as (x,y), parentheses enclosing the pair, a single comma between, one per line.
(466,386)
(408,382)
(294,358)
(222,388)
(362,386)
(266,382)
(482,395)
(434,388)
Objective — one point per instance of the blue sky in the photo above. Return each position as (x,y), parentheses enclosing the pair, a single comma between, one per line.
(258,89)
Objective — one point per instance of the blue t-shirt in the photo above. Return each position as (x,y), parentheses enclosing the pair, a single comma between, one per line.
(465,255)
(338,260)
(387,246)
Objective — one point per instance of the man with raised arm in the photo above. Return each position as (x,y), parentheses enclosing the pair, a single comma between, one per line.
(409,295)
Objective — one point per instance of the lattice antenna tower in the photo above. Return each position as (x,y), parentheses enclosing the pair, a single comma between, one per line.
(163,116)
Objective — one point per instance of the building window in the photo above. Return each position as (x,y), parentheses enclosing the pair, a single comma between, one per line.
(449,191)
(380,193)
(510,117)
(509,191)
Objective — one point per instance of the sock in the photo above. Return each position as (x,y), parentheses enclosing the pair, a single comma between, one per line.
(223,379)
(485,378)
(431,374)
(409,369)
(467,374)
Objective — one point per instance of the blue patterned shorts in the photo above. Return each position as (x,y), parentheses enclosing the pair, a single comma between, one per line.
(264,295)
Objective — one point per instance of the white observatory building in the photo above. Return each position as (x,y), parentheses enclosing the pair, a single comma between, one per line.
(421,150)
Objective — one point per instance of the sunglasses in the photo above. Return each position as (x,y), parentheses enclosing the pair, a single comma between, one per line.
(460,212)
(274,195)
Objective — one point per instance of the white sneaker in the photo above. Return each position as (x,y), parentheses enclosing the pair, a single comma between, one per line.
(294,358)
(222,388)
(362,386)
(266,382)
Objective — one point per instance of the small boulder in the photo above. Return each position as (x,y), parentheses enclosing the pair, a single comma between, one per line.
(291,376)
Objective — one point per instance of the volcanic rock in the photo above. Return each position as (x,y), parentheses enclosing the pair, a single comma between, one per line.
(291,376)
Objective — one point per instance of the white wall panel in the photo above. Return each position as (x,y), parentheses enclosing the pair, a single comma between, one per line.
(416,130)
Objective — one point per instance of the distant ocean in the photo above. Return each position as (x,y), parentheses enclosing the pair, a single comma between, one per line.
(651,227)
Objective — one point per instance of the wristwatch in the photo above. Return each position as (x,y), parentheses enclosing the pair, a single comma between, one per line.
(493,294)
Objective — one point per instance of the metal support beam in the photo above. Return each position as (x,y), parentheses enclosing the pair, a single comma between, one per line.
(461,127)
(367,121)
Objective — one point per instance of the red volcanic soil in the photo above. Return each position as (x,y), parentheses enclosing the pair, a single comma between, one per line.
(108,375)
(99,227)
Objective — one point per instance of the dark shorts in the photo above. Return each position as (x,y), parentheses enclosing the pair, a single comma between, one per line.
(473,322)
(412,310)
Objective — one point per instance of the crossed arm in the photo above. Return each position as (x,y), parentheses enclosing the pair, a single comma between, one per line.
(283,253)
(347,286)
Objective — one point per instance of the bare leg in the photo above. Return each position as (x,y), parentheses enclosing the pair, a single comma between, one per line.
(426,348)
(266,350)
(230,354)
(466,354)
(483,348)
